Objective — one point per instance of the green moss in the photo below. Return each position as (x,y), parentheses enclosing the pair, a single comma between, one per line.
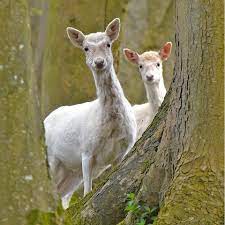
(57,217)
(187,191)
(195,195)
(122,223)
(38,217)
(76,198)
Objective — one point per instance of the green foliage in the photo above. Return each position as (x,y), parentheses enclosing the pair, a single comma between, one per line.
(143,214)
(38,217)
(56,217)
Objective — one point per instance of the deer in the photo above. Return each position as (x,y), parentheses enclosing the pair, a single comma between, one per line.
(84,139)
(151,71)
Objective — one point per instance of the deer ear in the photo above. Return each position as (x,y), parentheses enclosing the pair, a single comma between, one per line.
(113,29)
(165,51)
(131,55)
(75,36)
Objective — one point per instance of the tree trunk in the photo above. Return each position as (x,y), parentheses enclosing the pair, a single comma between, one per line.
(39,18)
(24,182)
(195,195)
(178,162)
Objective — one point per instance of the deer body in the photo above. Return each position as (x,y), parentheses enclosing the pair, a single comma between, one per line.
(150,67)
(84,139)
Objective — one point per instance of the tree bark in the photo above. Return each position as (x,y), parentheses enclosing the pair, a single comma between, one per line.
(195,195)
(178,162)
(24,182)
(39,19)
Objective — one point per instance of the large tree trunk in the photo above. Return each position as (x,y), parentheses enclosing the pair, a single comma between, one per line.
(178,163)
(194,137)
(24,181)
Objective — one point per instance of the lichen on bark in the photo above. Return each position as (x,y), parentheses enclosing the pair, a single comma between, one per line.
(24,180)
(195,194)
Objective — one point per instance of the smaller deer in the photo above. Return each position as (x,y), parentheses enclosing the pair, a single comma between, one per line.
(150,68)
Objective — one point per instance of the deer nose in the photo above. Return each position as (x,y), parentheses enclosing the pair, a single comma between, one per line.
(149,77)
(99,62)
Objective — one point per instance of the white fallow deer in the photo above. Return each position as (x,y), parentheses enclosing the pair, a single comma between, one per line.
(150,68)
(82,140)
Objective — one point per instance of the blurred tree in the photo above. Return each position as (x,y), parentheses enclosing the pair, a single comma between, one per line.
(24,181)
(178,163)
(38,10)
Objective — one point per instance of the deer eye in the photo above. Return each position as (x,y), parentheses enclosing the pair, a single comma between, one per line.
(158,64)
(108,45)
(86,49)
(140,66)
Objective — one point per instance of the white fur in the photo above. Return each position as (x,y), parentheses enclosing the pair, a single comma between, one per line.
(85,139)
(145,113)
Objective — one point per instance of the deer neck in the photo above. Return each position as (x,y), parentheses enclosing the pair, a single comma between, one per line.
(155,94)
(109,90)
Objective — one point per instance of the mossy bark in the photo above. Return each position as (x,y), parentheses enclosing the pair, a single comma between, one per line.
(195,195)
(178,162)
(24,180)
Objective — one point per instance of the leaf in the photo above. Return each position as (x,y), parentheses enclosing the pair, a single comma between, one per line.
(147,209)
(154,209)
(145,214)
(153,218)
(131,196)
(141,222)
(132,207)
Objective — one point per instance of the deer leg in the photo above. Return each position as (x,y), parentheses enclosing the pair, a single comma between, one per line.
(87,172)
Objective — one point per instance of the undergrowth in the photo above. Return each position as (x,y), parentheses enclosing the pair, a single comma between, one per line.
(143,214)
